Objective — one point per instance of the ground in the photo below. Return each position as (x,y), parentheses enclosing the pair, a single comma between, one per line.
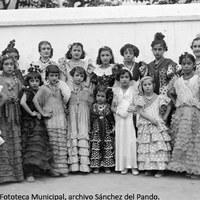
(170,187)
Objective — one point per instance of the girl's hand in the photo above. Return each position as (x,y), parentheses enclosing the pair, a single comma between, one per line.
(154,122)
(131,109)
(48,115)
(37,114)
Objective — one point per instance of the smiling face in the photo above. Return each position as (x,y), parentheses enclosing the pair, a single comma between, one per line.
(158,51)
(105,57)
(76,52)
(196,48)
(8,66)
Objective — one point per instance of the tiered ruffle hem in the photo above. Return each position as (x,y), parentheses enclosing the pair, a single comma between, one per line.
(57,132)
(153,146)
(186,133)
(35,143)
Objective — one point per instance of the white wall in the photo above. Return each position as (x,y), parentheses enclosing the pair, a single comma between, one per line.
(97,27)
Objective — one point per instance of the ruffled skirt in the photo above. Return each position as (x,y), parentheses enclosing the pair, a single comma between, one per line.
(153,146)
(10,153)
(57,132)
(35,144)
(186,134)
(78,138)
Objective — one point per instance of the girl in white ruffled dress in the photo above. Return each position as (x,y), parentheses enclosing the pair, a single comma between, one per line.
(153,138)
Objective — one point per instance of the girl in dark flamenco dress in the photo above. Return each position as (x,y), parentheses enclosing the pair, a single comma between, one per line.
(35,142)
(10,150)
(102,126)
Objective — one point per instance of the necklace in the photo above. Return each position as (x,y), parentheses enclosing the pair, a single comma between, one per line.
(44,62)
(54,90)
(130,67)
(149,98)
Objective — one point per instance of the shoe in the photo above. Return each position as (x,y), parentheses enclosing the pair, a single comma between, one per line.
(159,174)
(196,177)
(96,171)
(54,174)
(147,173)
(65,175)
(188,175)
(135,171)
(30,179)
(125,171)
(107,170)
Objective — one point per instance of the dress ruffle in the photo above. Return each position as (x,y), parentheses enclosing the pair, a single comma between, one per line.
(186,134)
(153,146)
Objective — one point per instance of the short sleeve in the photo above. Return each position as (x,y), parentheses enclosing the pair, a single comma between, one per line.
(139,101)
(163,100)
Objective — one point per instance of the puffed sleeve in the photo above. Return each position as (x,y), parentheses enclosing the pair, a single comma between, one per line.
(163,100)
(65,90)
(139,101)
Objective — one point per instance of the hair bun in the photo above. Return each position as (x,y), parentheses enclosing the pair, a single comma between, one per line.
(11,44)
(159,36)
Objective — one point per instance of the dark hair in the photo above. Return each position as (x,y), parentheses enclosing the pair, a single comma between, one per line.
(122,72)
(195,39)
(159,39)
(102,88)
(4,58)
(128,47)
(79,70)
(105,48)
(68,55)
(10,49)
(32,75)
(48,43)
(51,69)
(186,55)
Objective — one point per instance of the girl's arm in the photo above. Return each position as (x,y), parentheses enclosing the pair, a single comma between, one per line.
(169,107)
(148,117)
(37,105)
(4,98)
(114,106)
(26,108)
(171,96)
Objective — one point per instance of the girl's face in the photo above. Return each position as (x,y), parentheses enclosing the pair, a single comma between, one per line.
(34,83)
(187,66)
(196,48)
(45,51)
(53,78)
(8,66)
(14,55)
(105,57)
(78,78)
(76,52)
(147,86)
(129,55)
(158,51)
(125,79)
(101,97)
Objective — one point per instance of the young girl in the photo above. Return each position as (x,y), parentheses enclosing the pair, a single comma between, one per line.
(50,101)
(78,134)
(130,52)
(14,53)
(46,53)
(73,58)
(35,142)
(103,74)
(125,137)
(153,139)
(102,126)
(185,122)
(10,150)
(196,51)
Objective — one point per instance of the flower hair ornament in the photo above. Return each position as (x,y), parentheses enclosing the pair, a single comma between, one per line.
(34,68)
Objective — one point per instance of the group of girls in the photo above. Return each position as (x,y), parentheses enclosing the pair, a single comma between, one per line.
(76,117)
